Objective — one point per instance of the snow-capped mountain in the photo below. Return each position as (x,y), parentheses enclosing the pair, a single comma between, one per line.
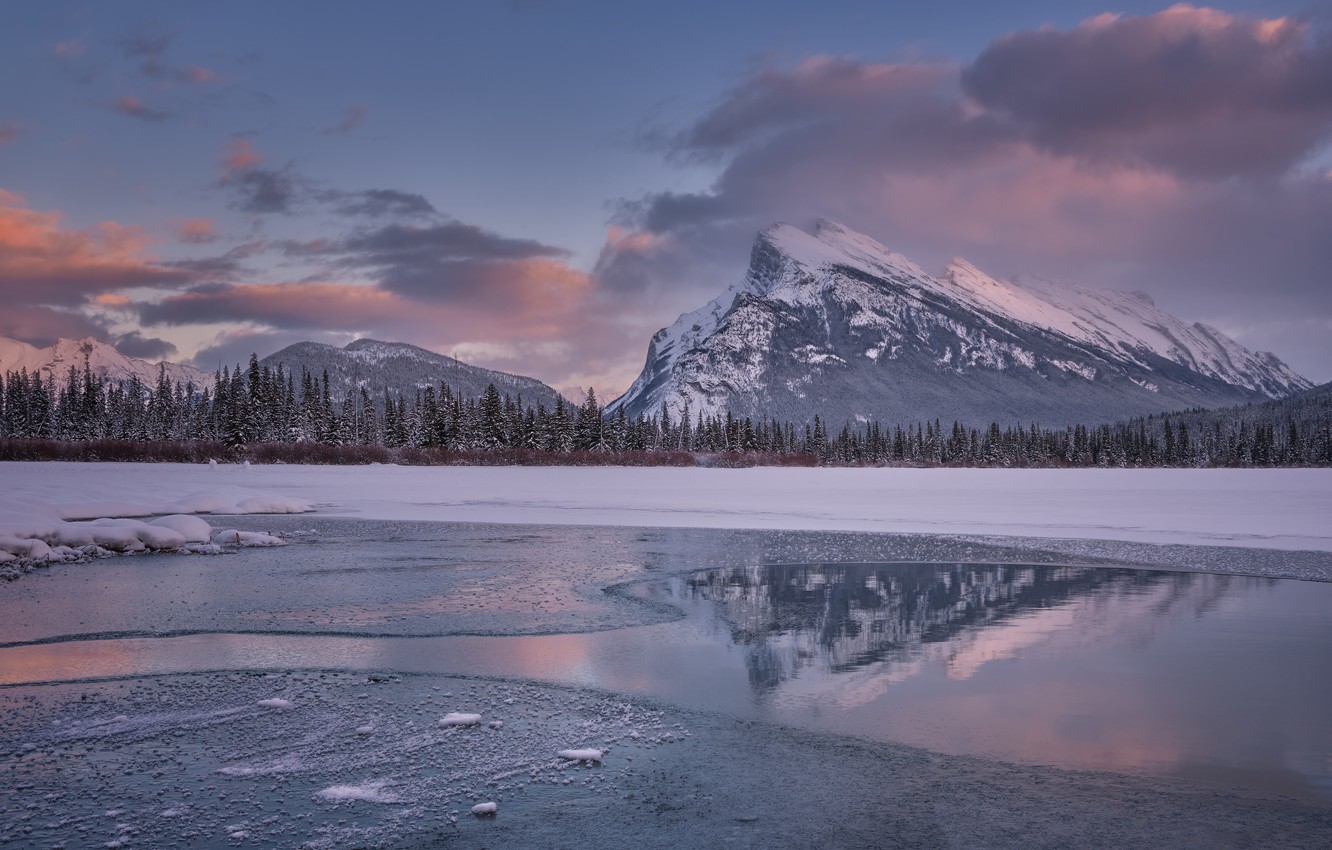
(837,324)
(402,369)
(104,359)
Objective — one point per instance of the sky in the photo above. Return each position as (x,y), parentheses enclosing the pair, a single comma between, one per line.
(537,187)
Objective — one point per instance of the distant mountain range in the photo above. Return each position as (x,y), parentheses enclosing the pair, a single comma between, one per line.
(835,323)
(403,370)
(106,362)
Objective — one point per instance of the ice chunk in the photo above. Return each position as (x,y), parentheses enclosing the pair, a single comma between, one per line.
(485,809)
(582,755)
(275,703)
(458,718)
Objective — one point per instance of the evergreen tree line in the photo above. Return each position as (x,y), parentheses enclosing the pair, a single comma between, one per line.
(264,406)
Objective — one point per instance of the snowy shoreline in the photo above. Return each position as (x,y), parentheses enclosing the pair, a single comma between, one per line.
(1284,509)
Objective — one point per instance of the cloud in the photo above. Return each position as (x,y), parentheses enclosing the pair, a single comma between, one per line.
(196,231)
(1192,90)
(134,108)
(1107,154)
(355,118)
(265,190)
(514,303)
(226,266)
(241,156)
(43,264)
(233,347)
(42,326)
(260,190)
(134,344)
(8,132)
(379,203)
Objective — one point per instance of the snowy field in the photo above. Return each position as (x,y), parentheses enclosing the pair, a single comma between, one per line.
(1270,508)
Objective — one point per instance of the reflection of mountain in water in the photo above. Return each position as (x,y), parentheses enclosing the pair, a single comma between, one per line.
(844,618)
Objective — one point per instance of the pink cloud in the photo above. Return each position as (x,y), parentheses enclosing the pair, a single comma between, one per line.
(134,108)
(241,156)
(196,75)
(196,230)
(1193,90)
(42,263)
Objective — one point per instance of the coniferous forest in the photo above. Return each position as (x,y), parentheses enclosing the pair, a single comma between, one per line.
(270,415)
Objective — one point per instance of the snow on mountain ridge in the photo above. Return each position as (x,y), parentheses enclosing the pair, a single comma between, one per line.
(106,362)
(812,309)
(401,369)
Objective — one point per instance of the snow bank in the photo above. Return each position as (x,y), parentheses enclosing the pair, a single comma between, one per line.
(193,529)
(45,526)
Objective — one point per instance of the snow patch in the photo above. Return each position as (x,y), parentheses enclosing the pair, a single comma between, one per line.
(276,703)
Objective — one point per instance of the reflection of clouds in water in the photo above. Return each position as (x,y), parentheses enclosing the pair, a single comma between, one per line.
(1006,639)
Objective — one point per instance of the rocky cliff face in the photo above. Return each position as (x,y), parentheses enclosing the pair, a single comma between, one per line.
(835,323)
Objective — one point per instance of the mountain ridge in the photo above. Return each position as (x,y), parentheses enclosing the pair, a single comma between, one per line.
(402,369)
(832,322)
(105,360)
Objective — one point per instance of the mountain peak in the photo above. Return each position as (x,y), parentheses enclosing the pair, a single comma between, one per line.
(104,359)
(833,322)
(401,369)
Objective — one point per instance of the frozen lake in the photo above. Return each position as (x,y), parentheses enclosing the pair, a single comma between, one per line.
(704,661)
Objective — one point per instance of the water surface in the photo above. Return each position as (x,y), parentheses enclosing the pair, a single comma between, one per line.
(1190,674)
